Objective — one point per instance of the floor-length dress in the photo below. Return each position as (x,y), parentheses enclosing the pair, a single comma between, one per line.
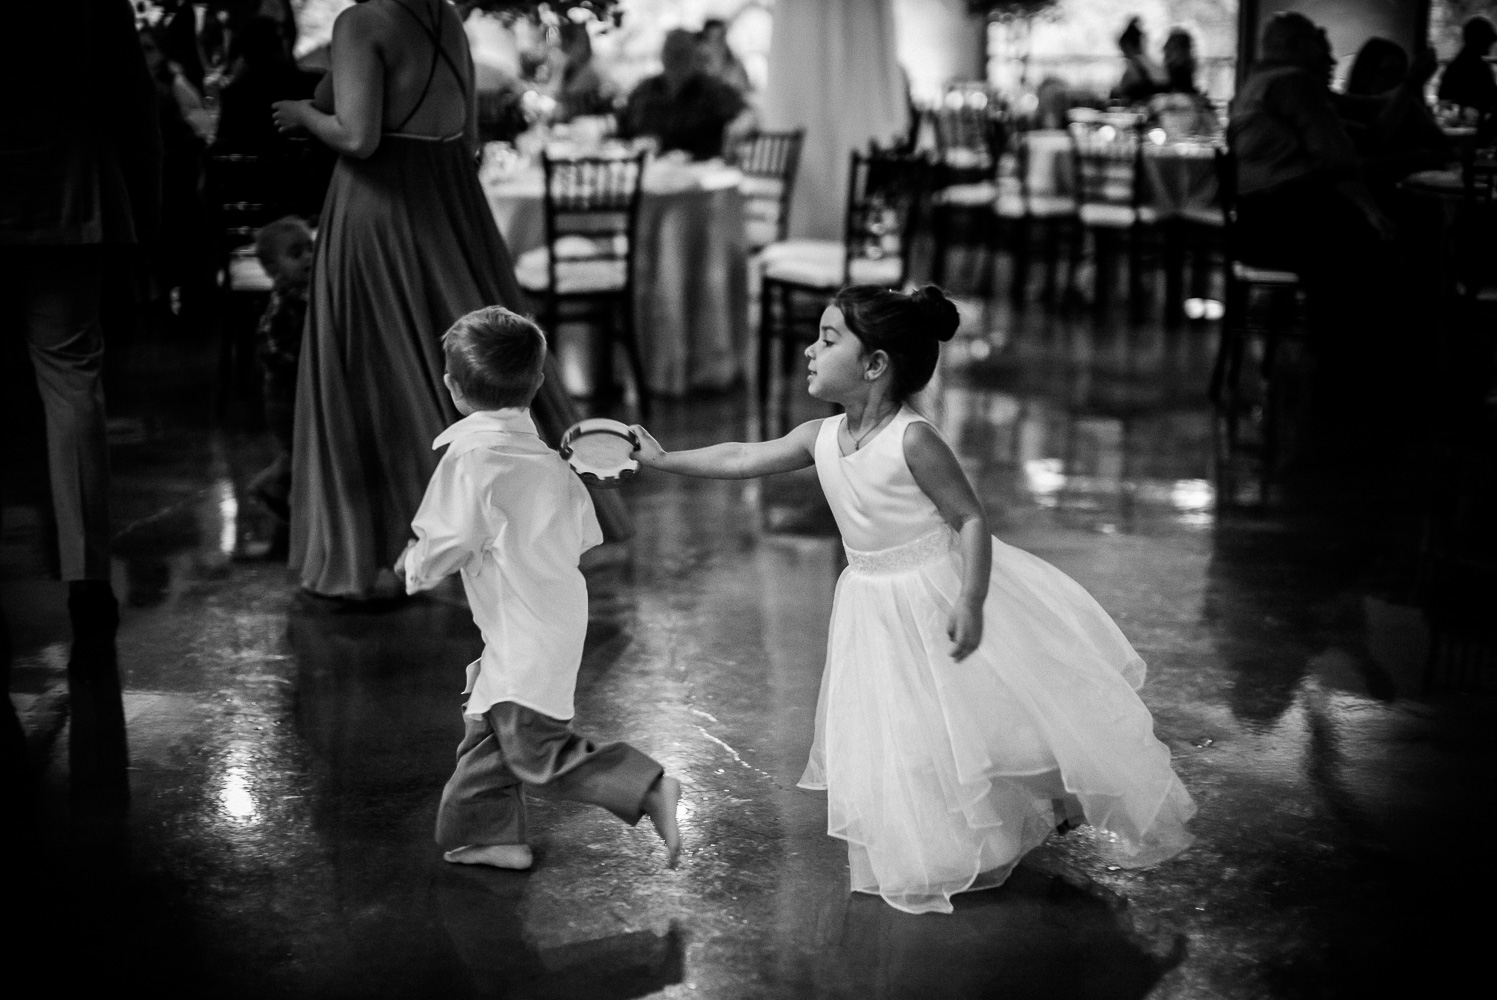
(406,246)
(941,775)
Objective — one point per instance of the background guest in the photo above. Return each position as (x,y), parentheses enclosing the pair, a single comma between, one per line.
(1384,111)
(718,58)
(1142,77)
(580,89)
(1180,107)
(1468,80)
(1180,62)
(683,107)
(406,245)
(1303,202)
(284,248)
(80,185)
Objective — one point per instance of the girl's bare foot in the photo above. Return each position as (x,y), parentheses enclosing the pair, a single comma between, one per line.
(660,806)
(513,856)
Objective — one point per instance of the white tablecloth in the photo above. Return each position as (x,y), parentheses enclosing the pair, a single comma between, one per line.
(1179,178)
(690,295)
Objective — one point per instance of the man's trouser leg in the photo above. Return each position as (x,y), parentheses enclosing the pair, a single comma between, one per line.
(60,289)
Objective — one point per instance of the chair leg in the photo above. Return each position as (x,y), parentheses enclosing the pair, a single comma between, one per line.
(988,244)
(1019,290)
(636,362)
(1078,250)
(939,224)
(1136,236)
(1104,261)
(767,292)
(786,346)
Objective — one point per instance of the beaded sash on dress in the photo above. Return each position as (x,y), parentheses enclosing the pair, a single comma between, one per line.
(928,547)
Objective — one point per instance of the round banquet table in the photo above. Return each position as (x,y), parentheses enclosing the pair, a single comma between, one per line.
(690,294)
(1179,178)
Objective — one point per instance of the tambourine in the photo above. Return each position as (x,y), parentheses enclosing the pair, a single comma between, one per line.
(599,451)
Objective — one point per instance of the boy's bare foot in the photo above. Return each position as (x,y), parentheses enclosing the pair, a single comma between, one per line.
(660,806)
(513,856)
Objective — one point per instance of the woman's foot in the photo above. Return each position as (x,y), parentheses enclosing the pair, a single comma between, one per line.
(516,857)
(660,806)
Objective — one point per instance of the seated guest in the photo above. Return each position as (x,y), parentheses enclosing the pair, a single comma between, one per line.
(1383,109)
(1142,77)
(1379,66)
(1180,107)
(1303,203)
(580,88)
(1180,63)
(718,58)
(1468,80)
(683,107)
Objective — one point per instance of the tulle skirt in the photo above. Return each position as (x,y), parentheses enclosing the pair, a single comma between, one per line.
(942,775)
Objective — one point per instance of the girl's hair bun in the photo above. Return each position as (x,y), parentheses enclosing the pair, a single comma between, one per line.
(938,312)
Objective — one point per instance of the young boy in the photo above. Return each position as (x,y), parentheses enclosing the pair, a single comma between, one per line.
(284,248)
(507,511)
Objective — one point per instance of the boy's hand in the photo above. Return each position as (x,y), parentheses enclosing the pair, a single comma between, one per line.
(649,453)
(965,631)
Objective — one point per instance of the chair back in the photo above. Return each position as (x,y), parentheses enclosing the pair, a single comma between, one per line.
(769,161)
(886,192)
(244,191)
(1107,163)
(969,138)
(591,207)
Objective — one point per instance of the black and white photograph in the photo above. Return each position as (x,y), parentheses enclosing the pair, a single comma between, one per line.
(748,499)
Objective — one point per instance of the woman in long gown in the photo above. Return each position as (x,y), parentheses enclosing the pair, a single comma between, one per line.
(406,245)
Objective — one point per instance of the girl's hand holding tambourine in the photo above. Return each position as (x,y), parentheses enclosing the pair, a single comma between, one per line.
(649,452)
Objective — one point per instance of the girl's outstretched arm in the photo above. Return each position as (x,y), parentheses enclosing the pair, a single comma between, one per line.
(733,459)
(941,478)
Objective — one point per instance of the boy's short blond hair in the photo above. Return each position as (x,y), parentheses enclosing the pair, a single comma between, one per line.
(496,357)
(270,237)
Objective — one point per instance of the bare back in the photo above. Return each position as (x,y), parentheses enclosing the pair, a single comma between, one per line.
(423,93)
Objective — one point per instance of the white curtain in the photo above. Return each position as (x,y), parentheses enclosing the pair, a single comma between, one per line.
(832,71)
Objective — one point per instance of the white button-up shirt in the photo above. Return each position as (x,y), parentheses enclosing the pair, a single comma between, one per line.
(508,512)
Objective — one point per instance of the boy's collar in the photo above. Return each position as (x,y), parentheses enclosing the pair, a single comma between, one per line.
(511,419)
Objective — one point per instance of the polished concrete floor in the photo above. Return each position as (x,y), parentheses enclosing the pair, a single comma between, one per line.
(1329,707)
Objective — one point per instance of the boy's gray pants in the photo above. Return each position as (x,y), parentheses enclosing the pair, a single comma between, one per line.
(513,746)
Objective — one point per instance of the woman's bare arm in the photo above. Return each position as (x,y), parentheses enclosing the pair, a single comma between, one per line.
(733,459)
(358,74)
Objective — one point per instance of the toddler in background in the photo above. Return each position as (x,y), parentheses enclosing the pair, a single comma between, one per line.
(284,248)
(509,514)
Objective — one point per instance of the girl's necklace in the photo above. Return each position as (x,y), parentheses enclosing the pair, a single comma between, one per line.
(858,439)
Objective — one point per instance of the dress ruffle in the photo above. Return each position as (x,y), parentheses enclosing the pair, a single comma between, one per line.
(942,775)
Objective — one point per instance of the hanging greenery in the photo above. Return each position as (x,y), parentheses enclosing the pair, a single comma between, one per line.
(548,10)
(1011,10)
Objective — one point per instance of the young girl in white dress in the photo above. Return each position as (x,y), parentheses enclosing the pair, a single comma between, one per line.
(975,698)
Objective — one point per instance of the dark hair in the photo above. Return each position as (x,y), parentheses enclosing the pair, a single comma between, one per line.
(495,357)
(271,237)
(1378,67)
(1478,31)
(908,328)
(1133,35)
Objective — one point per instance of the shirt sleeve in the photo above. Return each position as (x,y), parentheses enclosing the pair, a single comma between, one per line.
(725,102)
(588,529)
(451,527)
